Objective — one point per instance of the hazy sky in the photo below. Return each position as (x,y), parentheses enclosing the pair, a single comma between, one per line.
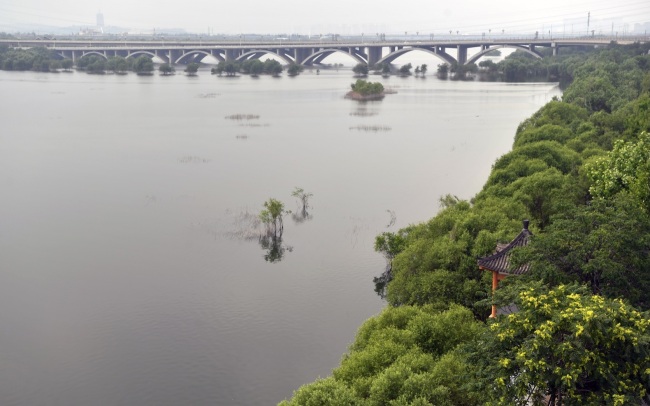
(337,16)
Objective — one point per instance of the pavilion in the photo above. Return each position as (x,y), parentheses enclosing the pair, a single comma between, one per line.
(499,262)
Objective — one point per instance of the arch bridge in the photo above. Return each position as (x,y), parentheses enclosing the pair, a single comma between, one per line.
(309,52)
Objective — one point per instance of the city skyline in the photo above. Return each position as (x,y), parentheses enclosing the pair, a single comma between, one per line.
(334,16)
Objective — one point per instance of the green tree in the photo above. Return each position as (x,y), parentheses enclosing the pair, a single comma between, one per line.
(143,65)
(625,168)
(67,64)
(271,216)
(117,64)
(166,69)
(405,69)
(231,68)
(55,65)
(567,345)
(92,64)
(443,70)
(360,69)
(294,69)
(423,69)
(385,69)
(192,68)
(366,88)
(391,244)
(603,245)
(272,67)
(218,70)
(256,67)
(304,197)
(405,356)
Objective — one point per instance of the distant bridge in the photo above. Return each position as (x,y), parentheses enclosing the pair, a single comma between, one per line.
(309,52)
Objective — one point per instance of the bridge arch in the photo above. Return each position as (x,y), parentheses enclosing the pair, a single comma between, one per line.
(257,54)
(319,55)
(139,53)
(196,56)
(480,54)
(396,54)
(86,53)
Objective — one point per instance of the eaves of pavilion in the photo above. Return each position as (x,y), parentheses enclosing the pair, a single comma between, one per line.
(499,262)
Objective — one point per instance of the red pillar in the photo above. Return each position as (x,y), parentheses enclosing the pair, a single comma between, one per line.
(495,282)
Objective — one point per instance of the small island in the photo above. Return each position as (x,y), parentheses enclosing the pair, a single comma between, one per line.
(363,90)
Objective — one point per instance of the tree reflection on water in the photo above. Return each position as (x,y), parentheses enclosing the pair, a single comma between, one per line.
(274,248)
(381,282)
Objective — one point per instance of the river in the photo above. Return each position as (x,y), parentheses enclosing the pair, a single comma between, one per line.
(130,271)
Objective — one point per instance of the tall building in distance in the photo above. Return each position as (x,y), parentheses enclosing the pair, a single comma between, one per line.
(100,21)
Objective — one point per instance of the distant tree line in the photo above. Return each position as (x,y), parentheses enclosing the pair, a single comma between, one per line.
(253,67)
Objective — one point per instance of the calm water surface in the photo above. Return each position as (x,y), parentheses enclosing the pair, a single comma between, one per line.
(126,274)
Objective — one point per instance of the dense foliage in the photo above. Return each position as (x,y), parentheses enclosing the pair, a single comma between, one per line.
(37,59)
(365,88)
(579,170)
(360,69)
(405,356)
(567,345)
(252,67)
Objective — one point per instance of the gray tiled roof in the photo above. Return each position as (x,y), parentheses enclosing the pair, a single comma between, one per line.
(499,261)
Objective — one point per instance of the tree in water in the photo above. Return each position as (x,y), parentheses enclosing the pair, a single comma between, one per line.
(361,69)
(405,70)
(271,216)
(166,69)
(294,69)
(192,68)
(271,240)
(303,197)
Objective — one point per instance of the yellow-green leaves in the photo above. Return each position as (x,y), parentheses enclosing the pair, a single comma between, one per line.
(569,342)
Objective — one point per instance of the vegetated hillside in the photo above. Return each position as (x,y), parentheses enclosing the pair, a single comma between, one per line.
(580,171)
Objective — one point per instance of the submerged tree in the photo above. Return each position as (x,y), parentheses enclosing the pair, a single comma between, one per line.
(271,216)
(271,240)
(360,69)
(143,65)
(303,196)
(192,68)
(443,70)
(294,69)
(405,70)
(166,69)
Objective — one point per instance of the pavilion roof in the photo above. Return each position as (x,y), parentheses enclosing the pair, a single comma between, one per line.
(500,260)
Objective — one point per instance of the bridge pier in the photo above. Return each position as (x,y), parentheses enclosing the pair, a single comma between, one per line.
(374,55)
(462,54)
(232,54)
(300,54)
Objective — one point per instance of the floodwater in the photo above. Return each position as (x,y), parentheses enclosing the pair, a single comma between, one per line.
(130,268)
